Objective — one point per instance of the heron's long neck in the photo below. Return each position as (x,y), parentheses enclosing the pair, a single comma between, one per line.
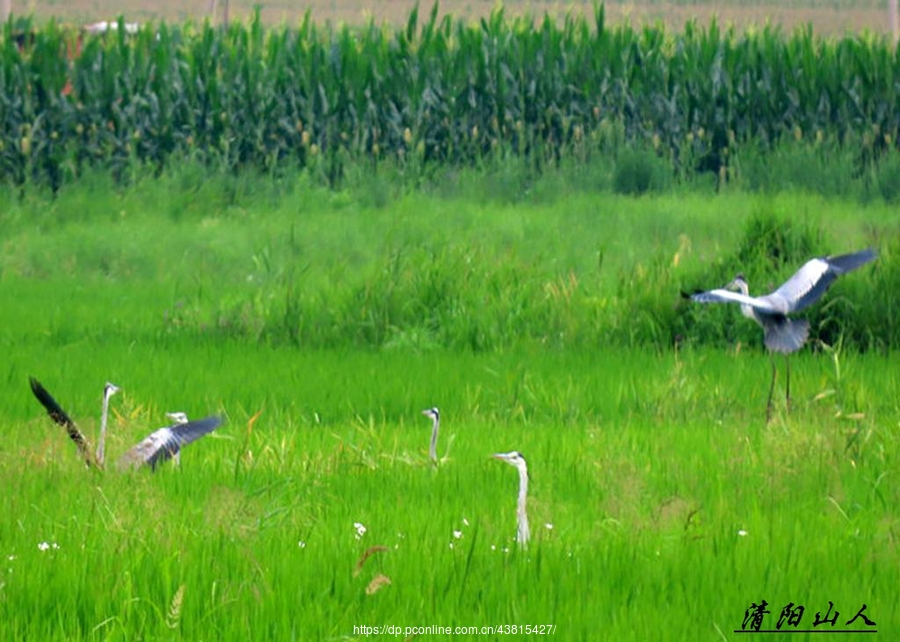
(747,310)
(524,533)
(101,444)
(432,451)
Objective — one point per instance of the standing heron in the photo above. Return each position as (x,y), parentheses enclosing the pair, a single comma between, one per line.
(770,311)
(159,446)
(108,391)
(515,458)
(435,415)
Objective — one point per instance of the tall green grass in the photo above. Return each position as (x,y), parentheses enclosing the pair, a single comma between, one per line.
(287,262)
(646,467)
(320,323)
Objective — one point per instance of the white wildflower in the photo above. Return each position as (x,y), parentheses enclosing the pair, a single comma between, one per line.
(457,534)
(360,529)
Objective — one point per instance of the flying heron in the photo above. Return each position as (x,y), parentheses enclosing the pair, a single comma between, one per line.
(515,458)
(770,311)
(435,415)
(161,445)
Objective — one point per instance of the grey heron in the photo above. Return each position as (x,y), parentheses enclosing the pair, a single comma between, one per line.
(180,418)
(515,458)
(770,311)
(159,446)
(435,415)
(108,391)
(167,442)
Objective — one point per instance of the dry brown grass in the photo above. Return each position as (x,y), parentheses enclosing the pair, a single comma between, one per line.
(824,20)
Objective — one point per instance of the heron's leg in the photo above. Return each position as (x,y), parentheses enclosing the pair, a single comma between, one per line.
(787,377)
(771,390)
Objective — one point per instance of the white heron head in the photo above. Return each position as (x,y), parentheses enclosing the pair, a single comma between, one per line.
(110,389)
(433,413)
(514,458)
(739,284)
(178,417)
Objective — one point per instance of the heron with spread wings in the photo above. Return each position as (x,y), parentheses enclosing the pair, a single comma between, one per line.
(782,333)
(160,445)
(167,442)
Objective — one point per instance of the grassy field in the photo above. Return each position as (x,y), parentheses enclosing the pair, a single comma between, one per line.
(836,17)
(661,503)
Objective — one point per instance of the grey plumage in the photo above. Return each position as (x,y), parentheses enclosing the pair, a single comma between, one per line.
(515,458)
(435,415)
(108,391)
(781,333)
(800,291)
(167,442)
(159,446)
(59,416)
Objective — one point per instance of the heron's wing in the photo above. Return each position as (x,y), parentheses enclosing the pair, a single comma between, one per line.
(151,449)
(164,443)
(59,415)
(727,296)
(849,262)
(193,430)
(812,280)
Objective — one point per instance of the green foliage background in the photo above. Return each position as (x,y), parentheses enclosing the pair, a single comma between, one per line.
(436,91)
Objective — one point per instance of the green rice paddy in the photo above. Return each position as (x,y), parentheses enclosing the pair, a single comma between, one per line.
(661,504)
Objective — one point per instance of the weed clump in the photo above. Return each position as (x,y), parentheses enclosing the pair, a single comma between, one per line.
(640,171)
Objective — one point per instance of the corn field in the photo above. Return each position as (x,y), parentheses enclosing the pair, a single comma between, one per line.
(433,91)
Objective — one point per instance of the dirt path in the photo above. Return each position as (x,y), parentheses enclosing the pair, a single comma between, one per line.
(824,20)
